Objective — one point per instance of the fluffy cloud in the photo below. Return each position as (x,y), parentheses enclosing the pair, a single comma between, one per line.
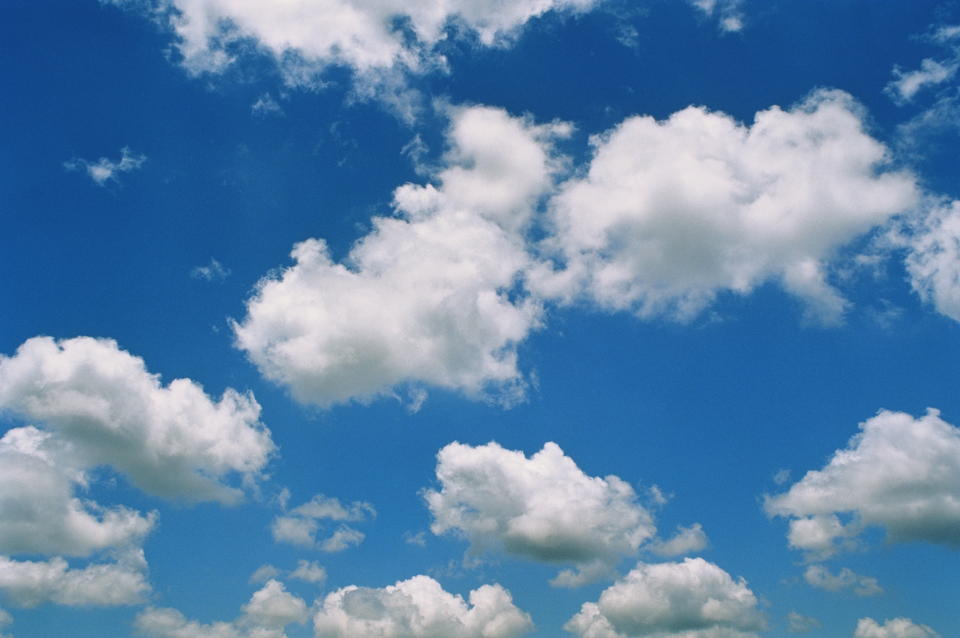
(899,472)
(692,599)
(30,583)
(105,408)
(821,577)
(687,540)
(671,213)
(419,608)
(906,84)
(430,296)
(104,169)
(933,257)
(543,508)
(310,572)
(896,628)
(300,525)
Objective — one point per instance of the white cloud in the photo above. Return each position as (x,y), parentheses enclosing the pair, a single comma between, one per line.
(105,408)
(687,540)
(213,271)
(264,573)
(900,473)
(799,624)
(543,508)
(430,296)
(266,614)
(266,106)
(672,213)
(906,84)
(692,599)
(300,525)
(822,578)
(419,608)
(31,583)
(309,572)
(895,628)
(933,257)
(104,169)
(727,12)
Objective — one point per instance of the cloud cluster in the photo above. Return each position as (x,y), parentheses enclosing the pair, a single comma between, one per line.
(300,525)
(31,583)
(895,628)
(542,508)
(687,540)
(266,614)
(430,296)
(104,169)
(419,608)
(822,578)
(692,599)
(900,473)
(673,212)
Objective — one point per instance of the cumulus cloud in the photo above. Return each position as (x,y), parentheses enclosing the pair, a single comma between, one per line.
(31,583)
(822,578)
(300,525)
(264,573)
(692,599)
(266,614)
(103,407)
(105,170)
(896,628)
(430,296)
(419,608)
(309,572)
(687,540)
(542,508)
(899,473)
(932,245)
(672,213)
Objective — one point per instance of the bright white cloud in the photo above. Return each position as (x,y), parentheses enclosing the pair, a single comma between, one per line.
(266,614)
(31,583)
(430,296)
(895,628)
(900,473)
(687,540)
(300,525)
(104,169)
(542,508)
(692,599)
(933,257)
(419,608)
(672,213)
(102,404)
(822,578)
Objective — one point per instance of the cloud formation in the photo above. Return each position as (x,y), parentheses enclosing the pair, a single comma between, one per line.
(932,246)
(900,473)
(105,170)
(687,540)
(907,84)
(542,508)
(31,583)
(300,525)
(419,608)
(692,599)
(430,297)
(895,628)
(822,578)
(672,213)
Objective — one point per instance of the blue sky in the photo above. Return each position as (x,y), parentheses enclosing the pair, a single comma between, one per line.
(582,318)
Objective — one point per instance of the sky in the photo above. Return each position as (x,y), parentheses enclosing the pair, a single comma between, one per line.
(479,319)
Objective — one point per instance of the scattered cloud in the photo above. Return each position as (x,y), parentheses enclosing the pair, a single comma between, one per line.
(31,583)
(799,624)
(675,212)
(899,473)
(781,476)
(542,508)
(105,170)
(687,540)
(301,525)
(309,572)
(419,608)
(266,106)
(692,599)
(896,628)
(213,271)
(264,573)
(822,578)
(932,244)
(727,12)
(907,84)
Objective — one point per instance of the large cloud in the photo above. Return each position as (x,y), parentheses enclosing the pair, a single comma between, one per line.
(429,296)
(543,508)
(31,583)
(105,408)
(899,472)
(895,628)
(692,599)
(673,212)
(419,608)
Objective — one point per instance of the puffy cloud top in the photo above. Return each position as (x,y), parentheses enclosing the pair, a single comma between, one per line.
(899,472)
(895,628)
(30,583)
(692,599)
(542,508)
(419,608)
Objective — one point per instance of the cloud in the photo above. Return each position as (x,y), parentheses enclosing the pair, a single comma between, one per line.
(672,213)
(105,170)
(692,599)
(896,628)
(543,508)
(932,72)
(821,577)
(214,271)
(800,624)
(419,608)
(932,244)
(309,572)
(266,106)
(900,473)
(300,525)
(429,296)
(264,573)
(104,408)
(31,583)
(687,540)
(728,13)
(266,614)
